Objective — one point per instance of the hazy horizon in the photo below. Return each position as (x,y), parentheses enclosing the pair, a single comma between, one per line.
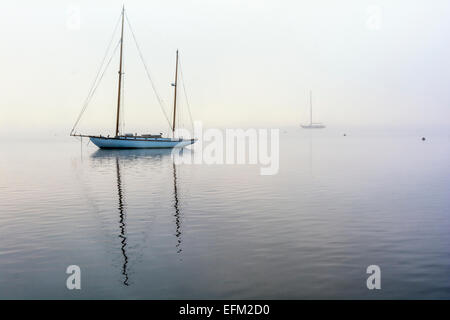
(246,63)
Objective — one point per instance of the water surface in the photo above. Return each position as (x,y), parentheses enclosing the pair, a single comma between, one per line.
(141,227)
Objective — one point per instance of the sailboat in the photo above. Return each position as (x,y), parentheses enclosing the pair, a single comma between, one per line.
(311,124)
(130,141)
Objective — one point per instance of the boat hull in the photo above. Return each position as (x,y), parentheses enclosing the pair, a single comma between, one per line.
(313,126)
(140,143)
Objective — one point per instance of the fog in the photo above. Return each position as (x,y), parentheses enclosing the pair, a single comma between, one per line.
(245,63)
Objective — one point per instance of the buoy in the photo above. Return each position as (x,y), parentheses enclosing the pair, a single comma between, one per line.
(345,135)
(423,139)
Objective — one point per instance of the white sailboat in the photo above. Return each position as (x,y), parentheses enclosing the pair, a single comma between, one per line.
(130,141)
(311,124)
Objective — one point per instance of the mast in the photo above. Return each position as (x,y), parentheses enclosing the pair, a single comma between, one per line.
(120,75)
(175,97)
(310,107)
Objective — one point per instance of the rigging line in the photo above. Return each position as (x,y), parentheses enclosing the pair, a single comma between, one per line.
(95,88)
(86,101)
(160,101)
(186,97)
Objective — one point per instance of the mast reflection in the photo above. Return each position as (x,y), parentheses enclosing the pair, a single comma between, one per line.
(122,224)
(119,158)
(177,210)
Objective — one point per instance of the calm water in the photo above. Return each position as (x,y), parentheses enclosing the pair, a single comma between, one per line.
(140,227)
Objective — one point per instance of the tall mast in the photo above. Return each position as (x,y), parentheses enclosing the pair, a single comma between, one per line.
(175,97)
(120,75)
(310,106)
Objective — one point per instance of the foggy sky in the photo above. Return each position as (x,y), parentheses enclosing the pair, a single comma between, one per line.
(246,63)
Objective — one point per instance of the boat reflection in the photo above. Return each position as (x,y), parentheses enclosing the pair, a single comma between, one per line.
(119,157)
(177,210)
(130,155)
(122,224)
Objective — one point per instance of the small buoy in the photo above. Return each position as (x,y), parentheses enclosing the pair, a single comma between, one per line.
(345,135)
(423,139)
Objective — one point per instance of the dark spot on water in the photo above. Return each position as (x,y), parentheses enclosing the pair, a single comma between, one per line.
(423,139)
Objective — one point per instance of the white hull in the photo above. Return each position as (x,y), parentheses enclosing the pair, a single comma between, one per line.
(139,143)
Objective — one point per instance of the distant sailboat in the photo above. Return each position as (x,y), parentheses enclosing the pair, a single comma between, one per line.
(130,141)
(311,124)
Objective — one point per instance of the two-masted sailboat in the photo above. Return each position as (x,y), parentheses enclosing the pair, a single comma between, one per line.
(130,141)
(311,124)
